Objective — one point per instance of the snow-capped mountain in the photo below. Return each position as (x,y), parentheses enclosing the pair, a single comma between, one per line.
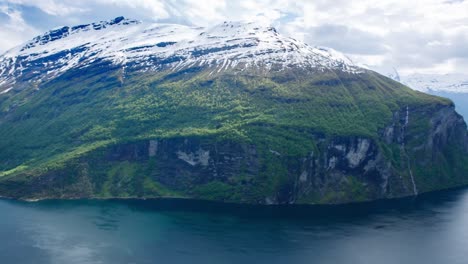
(453,83)
(134,45)
(431,83)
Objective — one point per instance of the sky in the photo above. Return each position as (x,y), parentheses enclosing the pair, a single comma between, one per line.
(413,36)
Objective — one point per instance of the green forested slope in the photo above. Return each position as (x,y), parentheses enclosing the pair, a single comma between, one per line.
(68,120)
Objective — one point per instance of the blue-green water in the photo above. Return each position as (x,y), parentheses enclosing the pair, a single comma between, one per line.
(429,229)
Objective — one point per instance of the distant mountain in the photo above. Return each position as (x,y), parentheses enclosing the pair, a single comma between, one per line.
(452,86)
(235,112)
(449,83)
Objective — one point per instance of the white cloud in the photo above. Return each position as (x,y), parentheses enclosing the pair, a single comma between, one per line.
(156,8)
(52,7)
(203,12)
(15,30)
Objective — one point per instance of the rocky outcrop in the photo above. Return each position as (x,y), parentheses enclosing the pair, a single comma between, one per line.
(447,127)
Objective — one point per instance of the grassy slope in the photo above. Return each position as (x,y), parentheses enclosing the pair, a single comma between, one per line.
(77,113)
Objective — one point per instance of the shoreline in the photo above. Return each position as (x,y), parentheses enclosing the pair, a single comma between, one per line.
(228,204)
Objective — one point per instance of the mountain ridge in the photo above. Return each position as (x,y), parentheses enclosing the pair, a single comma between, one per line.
(135,45)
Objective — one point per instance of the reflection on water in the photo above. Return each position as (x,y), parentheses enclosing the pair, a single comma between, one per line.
(429,229)
(108,218)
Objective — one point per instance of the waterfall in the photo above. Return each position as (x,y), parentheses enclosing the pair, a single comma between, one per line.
(415,189)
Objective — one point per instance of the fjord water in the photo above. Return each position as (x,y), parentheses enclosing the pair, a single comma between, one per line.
(430,229)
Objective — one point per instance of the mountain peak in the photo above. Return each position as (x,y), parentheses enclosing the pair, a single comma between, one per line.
(155,47)
(65,31)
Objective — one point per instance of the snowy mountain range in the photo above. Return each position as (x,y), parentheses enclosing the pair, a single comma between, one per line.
(453,83)
(431,83)
(134,45)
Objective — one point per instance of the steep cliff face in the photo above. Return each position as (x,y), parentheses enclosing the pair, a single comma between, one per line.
(440,151)
(337,169)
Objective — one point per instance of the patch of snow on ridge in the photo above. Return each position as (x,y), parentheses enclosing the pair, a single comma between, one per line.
(6,90)
(143,46)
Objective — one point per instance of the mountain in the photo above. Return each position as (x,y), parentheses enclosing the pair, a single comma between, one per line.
(451,83)
(235,113)
(452,86)
(140,47)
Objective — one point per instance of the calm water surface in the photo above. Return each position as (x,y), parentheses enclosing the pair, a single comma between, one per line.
(429,229)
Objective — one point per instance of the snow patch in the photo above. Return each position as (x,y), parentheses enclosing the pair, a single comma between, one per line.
(6,90)
(153,47)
